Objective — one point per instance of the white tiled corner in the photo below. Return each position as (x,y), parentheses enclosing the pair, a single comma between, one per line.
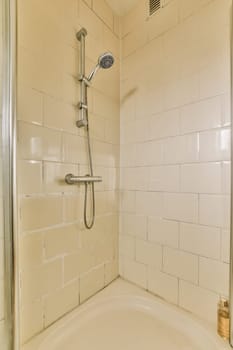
(163,285)
(135,272)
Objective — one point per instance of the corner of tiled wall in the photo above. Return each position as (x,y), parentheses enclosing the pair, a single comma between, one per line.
(175,152)
(61,263)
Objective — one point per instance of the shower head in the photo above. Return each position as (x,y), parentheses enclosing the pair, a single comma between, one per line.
(105,61)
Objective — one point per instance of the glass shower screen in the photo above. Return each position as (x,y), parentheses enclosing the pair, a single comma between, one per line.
(7,170)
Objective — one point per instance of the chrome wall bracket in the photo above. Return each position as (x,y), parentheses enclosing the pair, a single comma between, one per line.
(81,33)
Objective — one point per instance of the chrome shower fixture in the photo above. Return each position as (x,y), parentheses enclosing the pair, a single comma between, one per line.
(105,61)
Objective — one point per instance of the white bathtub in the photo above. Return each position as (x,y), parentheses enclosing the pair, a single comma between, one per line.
(124,317)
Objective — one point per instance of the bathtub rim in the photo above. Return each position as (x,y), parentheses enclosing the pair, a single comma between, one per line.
(117,290)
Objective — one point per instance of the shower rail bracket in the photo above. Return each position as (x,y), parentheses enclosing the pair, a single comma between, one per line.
(82,105)
(71,179)
(81,33)
(84,79)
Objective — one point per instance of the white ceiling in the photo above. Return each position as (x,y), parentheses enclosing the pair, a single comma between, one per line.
(122,7)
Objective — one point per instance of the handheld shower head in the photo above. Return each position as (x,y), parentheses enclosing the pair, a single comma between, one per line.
(105,61)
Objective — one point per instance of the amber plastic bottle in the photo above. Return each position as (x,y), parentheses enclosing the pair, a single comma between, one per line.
(223,319)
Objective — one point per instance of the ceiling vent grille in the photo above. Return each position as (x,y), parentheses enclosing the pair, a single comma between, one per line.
(155,5)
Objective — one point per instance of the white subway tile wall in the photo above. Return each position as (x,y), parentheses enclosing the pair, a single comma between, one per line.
(169,133)
(175,152)
(61,263)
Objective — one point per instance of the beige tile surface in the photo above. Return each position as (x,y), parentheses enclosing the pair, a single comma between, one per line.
(55,249)
(32,321)
(61,302)
(91,283)
(40,212)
